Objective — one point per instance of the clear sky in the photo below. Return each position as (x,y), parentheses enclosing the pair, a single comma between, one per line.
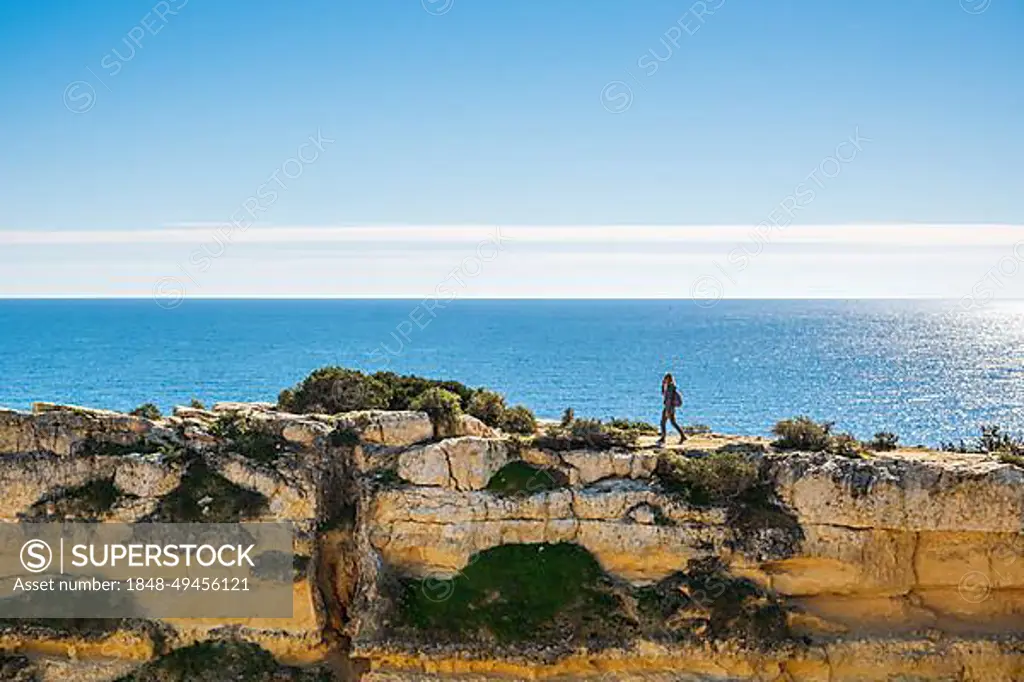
(144,116)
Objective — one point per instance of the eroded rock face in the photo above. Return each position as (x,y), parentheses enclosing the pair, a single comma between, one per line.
(914,491)
(910,563)
(434,532)
(389,428)
(466,463)
(59,429)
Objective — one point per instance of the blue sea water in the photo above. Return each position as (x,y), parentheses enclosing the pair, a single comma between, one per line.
(903,366)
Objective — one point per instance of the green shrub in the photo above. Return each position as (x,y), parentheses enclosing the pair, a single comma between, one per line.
(996,441)
(518,593)
(521,478)
(993,441)
(405,389)
(845,445)
(146,411)
(331,390)
(590,434)
(520,420)
(1012,458)
(487,406)
(444,408)
(197,404)
(641,427)
(249,438)
(884,441)
(802,433)
(716,479)
(568,417)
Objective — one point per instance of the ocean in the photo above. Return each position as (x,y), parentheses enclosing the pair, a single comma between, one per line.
(903,366)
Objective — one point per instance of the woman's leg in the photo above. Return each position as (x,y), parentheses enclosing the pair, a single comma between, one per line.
(664,420)
(672,416)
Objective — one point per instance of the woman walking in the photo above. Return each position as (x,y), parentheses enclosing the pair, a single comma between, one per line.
(670,400)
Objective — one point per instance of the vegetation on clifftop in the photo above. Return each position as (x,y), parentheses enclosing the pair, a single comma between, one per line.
(333,390)
(146,411)
(803,433)
(574,433)
(444,409)
(249,438)
(992,441)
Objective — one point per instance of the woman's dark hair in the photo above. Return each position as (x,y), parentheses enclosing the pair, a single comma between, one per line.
(667,379)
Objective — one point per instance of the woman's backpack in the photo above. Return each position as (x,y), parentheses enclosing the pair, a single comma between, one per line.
(677,398)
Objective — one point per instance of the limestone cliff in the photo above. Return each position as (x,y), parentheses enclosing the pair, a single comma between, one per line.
(488,557)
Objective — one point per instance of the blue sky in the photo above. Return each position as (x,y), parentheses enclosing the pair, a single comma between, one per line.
(488,112)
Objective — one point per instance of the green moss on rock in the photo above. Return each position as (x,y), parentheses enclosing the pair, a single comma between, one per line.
(519,593)
(521,478)
(222,662)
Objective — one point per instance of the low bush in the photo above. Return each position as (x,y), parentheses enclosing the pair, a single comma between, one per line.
(845,445)
(197,404)
(518,420)
(487,406)
(331,390)
(802,433)
(490,408)
(249,438)
(640,427)
(992,441)
(884,441)
(568,416)
(719,478)
(147,411)
(591,434)
(404,389)
(444,408)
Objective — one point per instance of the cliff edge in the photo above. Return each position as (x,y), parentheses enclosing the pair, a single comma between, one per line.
(453,550)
